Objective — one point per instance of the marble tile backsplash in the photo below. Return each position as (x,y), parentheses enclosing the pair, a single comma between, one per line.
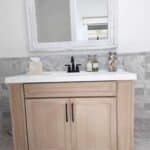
(137,63)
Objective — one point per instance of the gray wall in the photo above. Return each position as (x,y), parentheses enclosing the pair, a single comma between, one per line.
(138,63)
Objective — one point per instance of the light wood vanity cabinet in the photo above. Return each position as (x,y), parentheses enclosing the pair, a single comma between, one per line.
(46,124)
(94,124)
(72,116)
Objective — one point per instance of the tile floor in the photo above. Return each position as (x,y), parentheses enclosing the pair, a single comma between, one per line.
(142,144)
(6,143)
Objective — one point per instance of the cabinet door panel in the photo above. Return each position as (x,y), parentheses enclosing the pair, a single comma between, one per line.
(47,126)
(94,126)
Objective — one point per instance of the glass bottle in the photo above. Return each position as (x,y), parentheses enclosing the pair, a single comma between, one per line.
(95,64)
(89,64)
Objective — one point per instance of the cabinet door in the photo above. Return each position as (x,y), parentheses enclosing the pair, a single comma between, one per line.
(94,124)
(48,124)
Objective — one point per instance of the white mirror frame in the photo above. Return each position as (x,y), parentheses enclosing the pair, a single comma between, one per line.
(36,46)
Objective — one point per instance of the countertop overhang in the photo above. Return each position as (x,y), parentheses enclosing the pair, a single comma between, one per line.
(71,77)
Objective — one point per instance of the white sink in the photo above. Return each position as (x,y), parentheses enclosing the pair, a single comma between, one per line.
(71,77)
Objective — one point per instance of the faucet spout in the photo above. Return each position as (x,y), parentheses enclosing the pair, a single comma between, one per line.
(72,63)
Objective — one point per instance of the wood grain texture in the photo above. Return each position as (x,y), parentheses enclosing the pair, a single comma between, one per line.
(94,127)
(18,117)
(125,101)
(81,89)
(47,125)
(100,123)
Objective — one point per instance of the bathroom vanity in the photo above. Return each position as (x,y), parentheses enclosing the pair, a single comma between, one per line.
(80,111)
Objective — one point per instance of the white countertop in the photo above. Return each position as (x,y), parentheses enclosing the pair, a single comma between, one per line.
(71,77)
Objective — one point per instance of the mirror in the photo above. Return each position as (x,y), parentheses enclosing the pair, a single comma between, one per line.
(53,20)
(92,19)
(71,24)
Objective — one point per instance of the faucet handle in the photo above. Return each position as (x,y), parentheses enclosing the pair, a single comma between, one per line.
(78,67)
(68,68)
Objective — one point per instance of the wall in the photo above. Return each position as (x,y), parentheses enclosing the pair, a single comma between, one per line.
(133,27)
(13,38)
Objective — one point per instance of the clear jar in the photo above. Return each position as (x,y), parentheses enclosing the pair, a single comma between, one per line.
(89,64)
(95,64)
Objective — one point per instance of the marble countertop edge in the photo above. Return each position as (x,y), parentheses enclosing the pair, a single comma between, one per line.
(71,77)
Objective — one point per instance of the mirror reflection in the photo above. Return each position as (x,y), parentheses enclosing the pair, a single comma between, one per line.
(54,20)
(92,19)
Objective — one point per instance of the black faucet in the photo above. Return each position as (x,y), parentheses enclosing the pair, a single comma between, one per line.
(73,67)
(72,64)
